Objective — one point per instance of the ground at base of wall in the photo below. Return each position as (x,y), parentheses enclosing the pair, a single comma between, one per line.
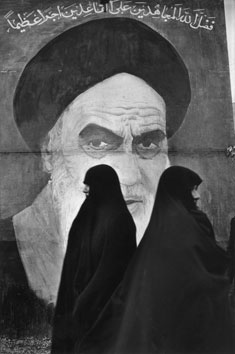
(25,345)
(40,344)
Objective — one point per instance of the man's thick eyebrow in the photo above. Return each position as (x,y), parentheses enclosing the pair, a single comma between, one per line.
(155,133)
(91,129)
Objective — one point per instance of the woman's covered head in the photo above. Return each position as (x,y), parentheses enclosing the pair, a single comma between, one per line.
(103,183)
(180,183)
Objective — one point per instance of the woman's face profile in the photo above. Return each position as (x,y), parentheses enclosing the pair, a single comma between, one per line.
(196,195)
(86,189)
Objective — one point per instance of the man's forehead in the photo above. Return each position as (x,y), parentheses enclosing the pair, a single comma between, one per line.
(117,91)
(139,118)
(143,117)
(120,100)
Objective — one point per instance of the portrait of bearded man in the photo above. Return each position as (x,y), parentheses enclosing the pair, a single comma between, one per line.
(109,91)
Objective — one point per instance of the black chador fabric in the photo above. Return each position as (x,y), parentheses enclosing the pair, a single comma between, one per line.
(231,251)
(174,295)
(100,245)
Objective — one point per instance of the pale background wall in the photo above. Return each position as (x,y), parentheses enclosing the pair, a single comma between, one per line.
(230,27)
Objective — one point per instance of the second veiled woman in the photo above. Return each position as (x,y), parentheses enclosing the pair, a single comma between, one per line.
(100,245)
(174,295)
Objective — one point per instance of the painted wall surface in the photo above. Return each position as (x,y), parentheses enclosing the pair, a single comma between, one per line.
(230,30)
(37,206)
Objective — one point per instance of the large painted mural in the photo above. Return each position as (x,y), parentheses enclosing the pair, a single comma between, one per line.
(138,85)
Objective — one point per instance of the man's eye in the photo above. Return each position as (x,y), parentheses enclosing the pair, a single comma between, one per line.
(147,150)
(97,147)
(97,141)
(148,144)
(98,144)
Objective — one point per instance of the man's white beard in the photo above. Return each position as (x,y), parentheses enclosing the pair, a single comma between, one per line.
(68,198)
(142,219)
(142,215)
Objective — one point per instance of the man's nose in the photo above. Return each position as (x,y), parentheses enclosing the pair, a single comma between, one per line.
(129,169)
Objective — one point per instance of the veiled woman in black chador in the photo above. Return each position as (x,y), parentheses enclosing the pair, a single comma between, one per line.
(174,295)
(100,245)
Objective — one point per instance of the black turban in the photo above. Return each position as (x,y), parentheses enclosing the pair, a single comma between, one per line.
(87,54)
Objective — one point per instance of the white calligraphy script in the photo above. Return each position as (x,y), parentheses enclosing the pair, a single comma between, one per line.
(194,18)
